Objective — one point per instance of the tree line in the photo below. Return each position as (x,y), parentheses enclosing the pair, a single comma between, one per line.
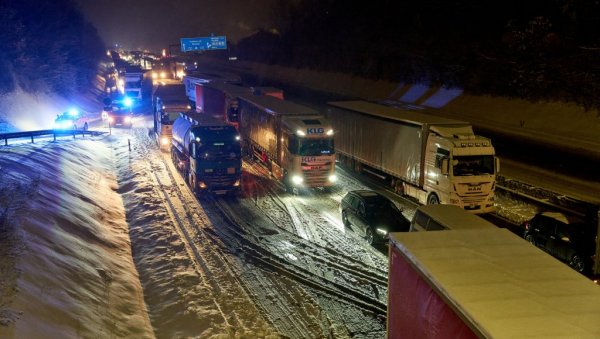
(47,46)
(536,50)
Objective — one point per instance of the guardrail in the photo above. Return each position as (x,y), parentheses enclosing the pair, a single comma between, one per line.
(47,132)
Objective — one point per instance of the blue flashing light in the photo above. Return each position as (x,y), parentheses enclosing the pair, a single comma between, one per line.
(128,102)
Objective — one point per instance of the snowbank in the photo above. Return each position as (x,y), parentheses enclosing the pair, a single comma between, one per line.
(75,274)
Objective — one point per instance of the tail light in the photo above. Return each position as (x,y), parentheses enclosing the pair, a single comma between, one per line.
(527,226)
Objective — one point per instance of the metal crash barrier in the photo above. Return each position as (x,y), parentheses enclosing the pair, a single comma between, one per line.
(48,132)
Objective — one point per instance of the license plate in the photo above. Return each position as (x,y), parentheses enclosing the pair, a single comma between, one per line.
(219,192)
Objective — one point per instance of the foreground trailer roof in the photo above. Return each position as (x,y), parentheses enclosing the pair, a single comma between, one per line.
(458,217)
(502,285)
(393,113)
(277,106)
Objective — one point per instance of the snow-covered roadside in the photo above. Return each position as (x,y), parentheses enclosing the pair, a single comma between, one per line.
(73,275)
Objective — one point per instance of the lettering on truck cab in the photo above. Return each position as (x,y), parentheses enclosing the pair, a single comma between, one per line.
(315,130)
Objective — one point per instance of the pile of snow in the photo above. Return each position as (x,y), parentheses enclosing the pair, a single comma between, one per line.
(73,271)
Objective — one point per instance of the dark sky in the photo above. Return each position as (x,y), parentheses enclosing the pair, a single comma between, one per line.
(154,24)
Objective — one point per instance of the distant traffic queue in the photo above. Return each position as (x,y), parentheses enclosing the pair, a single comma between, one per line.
(434,160)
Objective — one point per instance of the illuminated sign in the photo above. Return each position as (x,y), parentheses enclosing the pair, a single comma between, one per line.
(313,130)
(204,43)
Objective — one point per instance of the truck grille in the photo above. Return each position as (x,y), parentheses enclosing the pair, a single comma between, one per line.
(219,177)
(315,178)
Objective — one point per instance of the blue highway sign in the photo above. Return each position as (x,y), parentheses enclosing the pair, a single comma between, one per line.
(202,44)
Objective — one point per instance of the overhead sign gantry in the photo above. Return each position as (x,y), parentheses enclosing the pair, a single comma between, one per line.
(203,43)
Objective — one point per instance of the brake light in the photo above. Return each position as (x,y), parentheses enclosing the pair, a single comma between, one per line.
(527,226)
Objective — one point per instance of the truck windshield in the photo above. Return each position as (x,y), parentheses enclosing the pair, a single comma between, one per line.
(311,147)
(473,165)
(167,118)
(219,150)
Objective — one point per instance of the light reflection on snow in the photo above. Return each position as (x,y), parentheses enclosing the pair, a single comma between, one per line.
(335,221)
(286,245)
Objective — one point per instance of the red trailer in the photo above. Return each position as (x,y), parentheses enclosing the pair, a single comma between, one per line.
(485,284)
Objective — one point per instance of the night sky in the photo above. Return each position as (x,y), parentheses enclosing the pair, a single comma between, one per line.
(154,24)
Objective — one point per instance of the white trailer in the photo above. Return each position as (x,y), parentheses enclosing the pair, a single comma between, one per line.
(432,159)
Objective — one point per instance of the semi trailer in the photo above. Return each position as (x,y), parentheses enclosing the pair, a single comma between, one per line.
(293,141)
(168,101)
(200,78)
(484,283)
(432,159)
(207,151)
(220,99)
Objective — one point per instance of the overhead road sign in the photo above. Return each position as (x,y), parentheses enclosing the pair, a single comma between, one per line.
(204,43)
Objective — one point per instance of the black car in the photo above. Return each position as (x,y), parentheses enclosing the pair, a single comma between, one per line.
(566,238)
(373,215)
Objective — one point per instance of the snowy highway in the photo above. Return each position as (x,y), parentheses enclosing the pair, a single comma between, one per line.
(266,264)
(288,255)
(267,260)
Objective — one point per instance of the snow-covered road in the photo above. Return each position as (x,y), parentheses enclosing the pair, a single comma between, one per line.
(266,264)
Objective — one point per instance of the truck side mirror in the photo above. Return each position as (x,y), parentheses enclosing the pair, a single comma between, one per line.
(445,166)
(497,163)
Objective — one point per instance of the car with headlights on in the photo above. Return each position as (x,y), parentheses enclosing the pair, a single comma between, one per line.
(567,238)
(70,120)
(372,215)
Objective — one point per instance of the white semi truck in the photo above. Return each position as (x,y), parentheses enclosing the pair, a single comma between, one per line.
(295,142)
(432,159)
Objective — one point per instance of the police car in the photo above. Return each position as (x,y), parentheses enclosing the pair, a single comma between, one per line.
(72,119)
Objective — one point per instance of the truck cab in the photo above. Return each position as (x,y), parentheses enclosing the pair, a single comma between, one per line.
(307,152)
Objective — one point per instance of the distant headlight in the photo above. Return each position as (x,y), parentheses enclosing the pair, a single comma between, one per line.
(297,180)
(110,119)
(333,178)
(164,141)
(381,231)
(127,119)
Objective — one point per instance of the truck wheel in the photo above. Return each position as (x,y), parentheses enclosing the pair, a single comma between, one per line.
(433,199)
(345,220)
(370,237)
(577,263)
(192,181)
(286,183)
(530,239)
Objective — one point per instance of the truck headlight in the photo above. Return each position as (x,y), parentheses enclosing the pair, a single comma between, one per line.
(297,180)
(237,183)
(201,184)
(333,178)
